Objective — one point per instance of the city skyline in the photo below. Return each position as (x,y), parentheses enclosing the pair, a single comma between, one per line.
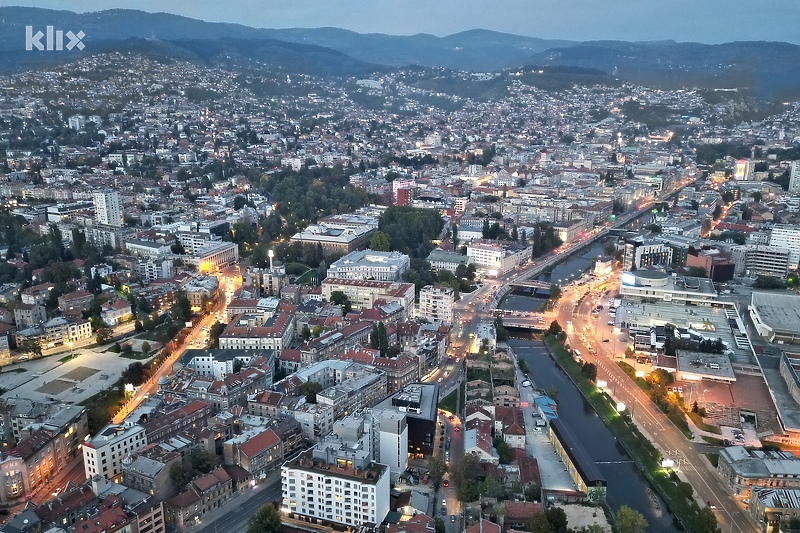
(709,22)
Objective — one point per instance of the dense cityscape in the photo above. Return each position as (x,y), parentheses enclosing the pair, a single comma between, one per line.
(237,298)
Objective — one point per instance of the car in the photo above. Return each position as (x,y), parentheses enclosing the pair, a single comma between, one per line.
(526,383)
(57,491)
(440,380)
(24,358)
(445,483)
(711,505)
(457,429)
(451,418)
(606,340)
(452,519)
(444,503)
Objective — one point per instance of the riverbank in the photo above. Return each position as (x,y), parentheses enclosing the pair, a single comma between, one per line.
(676,494)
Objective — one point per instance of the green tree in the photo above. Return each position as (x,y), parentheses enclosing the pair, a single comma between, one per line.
(539,523)
(310,389)
(465,478)
(503,450)
(31,347)
(555,292)
(305,333)
(379,242)
(437,468)
(214,333)
(341,299)
(145,347)
(182,309)
(266,520)
(104,334)
(590,371)
(557,518)
(237,366)
(696,272)
(630,521)
(138,327)
(555,328)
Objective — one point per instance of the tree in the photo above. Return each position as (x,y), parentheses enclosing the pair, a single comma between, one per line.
(341,299)
(557,518)
(138,327)
(630,521)
(555,328)
(237,366)
(145,347)
(214,333)
(379,242)
(539,523)
(31,347)
(437,468)
(696,272)
(465,478)
(182,309)
(310,390)
(104,334)
(266,520)
(305,333)
(590,371)
(503,450)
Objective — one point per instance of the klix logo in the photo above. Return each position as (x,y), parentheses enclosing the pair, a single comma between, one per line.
(54,39)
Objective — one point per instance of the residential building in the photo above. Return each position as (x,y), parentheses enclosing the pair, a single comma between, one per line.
(337,489)
(148,471)
(260,454)
(436,303)
(202,495)
(496,258)
(260,332)
(363,294)
(643,254)
(794,177)
(742,469)
(370,265)
(29,315)
(108,209)
(116,311)
(760,259)
(104,453)
(57,331)
(773,508)
(201,290)
(787,236)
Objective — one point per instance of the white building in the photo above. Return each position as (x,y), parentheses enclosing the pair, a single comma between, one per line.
(107,208)
(214,256)
(497,258)
(103,454)
(787,236)
(794,177)
(755,260)
(436,303)
(369,264)
(76,122)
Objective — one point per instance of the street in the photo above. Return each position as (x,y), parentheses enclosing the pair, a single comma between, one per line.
(694,467)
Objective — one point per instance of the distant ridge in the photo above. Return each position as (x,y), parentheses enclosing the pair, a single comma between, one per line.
(766,69)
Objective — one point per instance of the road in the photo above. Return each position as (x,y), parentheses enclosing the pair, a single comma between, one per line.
(588,334)
(229,281)
(232,517)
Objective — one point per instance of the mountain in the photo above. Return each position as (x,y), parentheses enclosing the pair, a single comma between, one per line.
(765,69)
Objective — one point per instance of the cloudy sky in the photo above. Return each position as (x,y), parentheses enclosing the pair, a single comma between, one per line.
(707,21)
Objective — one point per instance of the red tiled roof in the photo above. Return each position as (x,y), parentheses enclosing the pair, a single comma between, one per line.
(261,442)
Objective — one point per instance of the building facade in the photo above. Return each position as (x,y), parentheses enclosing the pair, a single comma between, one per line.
(436,303)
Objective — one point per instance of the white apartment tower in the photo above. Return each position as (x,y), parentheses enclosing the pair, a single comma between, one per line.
(107,209)
(787,236)
(436,303)
(794,177)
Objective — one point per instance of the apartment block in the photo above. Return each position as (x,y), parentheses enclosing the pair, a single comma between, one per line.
(436,303)
(104,453)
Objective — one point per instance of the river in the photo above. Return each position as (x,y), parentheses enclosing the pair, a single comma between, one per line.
(626,485)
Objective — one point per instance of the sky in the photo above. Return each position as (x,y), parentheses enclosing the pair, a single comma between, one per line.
(705,21)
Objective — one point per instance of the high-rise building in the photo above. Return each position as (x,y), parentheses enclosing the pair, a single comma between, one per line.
(787,236)
(794,177)
(107,209)
(436,303)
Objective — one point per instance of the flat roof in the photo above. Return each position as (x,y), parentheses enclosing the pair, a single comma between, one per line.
(705,365)
(779,311)
(421,397)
